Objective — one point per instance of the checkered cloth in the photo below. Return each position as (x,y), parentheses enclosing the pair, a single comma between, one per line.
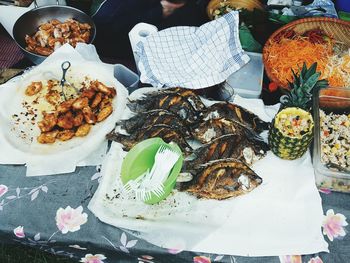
(192,57)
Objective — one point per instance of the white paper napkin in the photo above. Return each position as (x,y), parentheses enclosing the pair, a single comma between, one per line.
(192,57)
(59,157)
(282,216)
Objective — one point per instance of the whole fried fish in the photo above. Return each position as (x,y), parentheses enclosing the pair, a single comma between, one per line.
(192,97)
(166,132)
(173,102)
(222,179)
(211,129)
(246,147)
(236,113)
(146,119)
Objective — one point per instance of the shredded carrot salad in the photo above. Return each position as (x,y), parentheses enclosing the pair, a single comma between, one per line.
(290,53)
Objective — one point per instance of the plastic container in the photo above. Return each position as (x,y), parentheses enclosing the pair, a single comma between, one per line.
(246,82)
(125,76)
(336,100)
(141,157)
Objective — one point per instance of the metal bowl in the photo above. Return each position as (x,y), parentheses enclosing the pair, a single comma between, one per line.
(29,23)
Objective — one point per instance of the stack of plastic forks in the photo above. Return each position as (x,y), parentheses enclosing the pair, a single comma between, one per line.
(151,182)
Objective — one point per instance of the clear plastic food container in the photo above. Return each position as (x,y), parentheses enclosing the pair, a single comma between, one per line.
(334,177)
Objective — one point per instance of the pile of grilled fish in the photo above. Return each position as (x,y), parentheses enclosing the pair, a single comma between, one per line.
(227,132)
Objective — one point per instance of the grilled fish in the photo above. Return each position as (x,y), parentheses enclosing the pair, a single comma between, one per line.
(158,116)
(166,132)
(172,102)
(211,129)
(247,147)
(222,179)
(192,97)
(235,113)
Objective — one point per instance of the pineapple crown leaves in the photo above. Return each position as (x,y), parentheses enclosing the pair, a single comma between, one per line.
(301,89)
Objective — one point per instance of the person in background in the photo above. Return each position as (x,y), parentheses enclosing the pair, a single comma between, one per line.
(115,18)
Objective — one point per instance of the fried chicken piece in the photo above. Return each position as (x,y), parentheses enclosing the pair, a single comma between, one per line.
(65,135)
(51,83)
(47,137)
(80,103)
(83,130)
(112,93)
(105,102)
(104,113)
(103,88)
(53,97)
(44,51)
(78,119)
(88,93)
(33,88)
(65,106)
(66,121)
(48,122)
(89,116)
(97,100)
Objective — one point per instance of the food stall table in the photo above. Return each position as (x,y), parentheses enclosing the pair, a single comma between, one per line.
(33,212)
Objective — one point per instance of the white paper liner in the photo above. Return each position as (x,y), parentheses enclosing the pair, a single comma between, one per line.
(60,157)
(282,216)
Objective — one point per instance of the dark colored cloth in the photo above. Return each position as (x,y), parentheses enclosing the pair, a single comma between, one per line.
(10,53)
(116,18)
(33,202)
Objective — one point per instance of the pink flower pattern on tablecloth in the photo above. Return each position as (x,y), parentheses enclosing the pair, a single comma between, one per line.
(333,225)
(19,232)
(89,258)
(70,219)
(315,260)
(291,259)
(3,190)
(201,259)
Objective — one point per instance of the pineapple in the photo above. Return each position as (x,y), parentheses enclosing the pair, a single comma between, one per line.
(292,128)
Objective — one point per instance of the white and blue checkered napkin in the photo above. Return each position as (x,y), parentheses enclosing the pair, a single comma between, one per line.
(192,57)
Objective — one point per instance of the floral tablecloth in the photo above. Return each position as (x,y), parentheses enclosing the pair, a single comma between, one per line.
(50,213)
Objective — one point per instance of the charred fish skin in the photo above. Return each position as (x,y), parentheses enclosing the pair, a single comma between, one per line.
(236,113)
(172,102)
(191,96)
(246,147)
(211,129)
(222,179)
(167,133)
(146,119)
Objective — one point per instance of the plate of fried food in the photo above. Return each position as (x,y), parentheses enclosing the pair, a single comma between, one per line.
(41,118)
